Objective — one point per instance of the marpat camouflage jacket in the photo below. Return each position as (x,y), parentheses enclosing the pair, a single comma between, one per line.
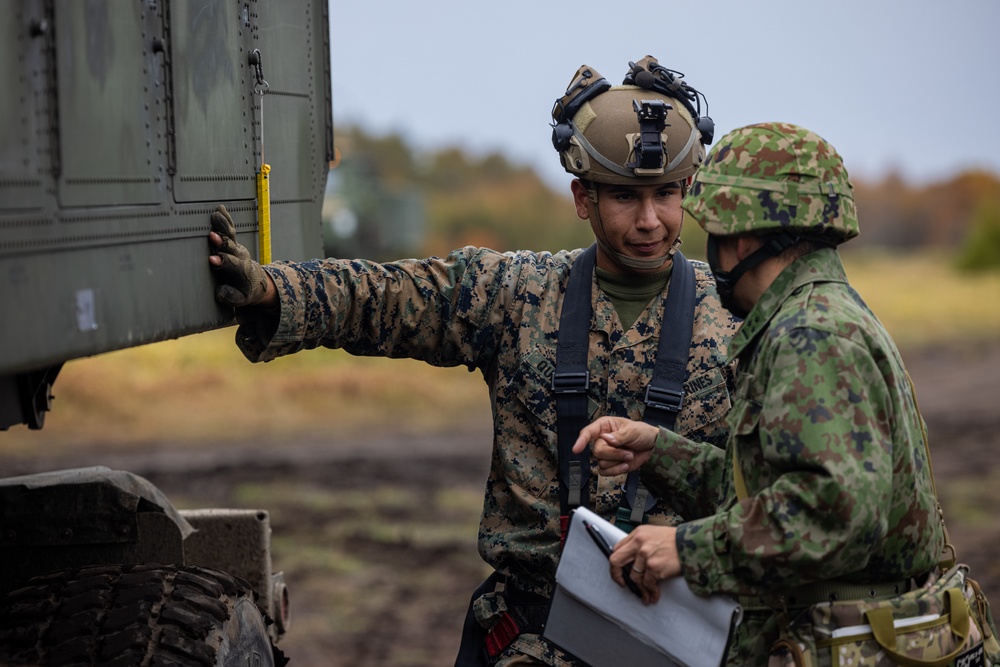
(499,313)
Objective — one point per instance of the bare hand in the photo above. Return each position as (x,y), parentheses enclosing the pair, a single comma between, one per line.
(652,551)
(620,445)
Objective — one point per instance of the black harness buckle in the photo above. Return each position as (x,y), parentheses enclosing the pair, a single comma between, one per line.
(664,399)
(571,383)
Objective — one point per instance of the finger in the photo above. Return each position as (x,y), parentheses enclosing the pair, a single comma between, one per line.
(228,265)
(591,431)
(222,223)
(636,436)
(650,587)
(624,552)
(608,451)
(611,469)
(644,581)
(230,296)
(230,246)
(215,261)
(611,460)
(225,246)
(618,575)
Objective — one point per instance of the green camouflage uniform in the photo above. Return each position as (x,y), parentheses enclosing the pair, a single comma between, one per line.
(824,426)
(499,313)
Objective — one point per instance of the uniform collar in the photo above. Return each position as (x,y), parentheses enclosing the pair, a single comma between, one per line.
(822,265)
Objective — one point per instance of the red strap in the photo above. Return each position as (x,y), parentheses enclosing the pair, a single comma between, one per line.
(563,529)
(503,633)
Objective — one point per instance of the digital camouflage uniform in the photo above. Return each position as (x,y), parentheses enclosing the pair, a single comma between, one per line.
(499,313)
(824,425)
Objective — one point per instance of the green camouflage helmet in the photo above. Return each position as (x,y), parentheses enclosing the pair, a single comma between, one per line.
(629,133)
(774,177)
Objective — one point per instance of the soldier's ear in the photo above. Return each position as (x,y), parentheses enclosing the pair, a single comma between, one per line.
(581,199)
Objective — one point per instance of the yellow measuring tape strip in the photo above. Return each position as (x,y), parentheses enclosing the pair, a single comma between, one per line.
(264,213)
(260,87)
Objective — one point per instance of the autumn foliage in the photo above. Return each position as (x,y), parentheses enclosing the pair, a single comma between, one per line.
(486,200)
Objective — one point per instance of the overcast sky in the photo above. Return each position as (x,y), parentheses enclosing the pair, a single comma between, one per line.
(911,85)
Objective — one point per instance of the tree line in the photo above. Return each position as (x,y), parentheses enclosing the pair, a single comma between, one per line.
(387,200)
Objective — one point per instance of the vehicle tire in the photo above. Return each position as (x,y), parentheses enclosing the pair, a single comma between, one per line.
(130,615)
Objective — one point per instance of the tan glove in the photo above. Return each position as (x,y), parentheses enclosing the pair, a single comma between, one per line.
(241,280)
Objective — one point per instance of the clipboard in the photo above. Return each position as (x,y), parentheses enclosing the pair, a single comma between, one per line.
(605,625)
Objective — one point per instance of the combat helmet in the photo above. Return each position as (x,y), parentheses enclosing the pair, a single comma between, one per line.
(774,177)
(649,129)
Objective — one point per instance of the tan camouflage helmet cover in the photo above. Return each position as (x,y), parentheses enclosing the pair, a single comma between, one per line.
(600,139)
(774,177)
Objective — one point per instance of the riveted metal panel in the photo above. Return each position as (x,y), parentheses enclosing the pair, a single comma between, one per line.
(213,99)
(25,34)
(127,123)
(110,97)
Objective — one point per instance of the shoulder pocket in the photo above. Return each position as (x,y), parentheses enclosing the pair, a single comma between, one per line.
(530,458)
(744,420)
(706,403)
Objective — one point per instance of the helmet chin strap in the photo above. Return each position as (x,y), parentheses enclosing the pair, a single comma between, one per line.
(725,281)
(624,261)
(636,263)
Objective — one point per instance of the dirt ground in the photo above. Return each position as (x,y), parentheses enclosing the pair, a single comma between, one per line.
(377,538)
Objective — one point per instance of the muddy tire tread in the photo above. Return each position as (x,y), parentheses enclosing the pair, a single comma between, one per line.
(155,615)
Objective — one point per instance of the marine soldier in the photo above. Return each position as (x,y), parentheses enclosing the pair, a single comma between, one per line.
(824,487)
(633,149)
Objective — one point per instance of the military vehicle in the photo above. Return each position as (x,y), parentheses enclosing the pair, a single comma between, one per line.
(123,126)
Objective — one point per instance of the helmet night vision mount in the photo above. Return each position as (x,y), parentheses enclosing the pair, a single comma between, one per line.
(649,128)
(651,75)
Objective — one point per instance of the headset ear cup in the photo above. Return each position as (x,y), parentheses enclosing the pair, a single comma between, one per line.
(561,134)
(707,128)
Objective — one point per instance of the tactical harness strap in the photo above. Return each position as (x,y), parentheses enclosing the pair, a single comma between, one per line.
(571,380)
(570,383)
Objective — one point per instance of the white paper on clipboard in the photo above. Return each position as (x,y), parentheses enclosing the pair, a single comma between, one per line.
(606,625)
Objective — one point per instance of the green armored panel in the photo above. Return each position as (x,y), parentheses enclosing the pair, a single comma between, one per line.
(293,119)
(109,93)
(126,123)
(210,42)
(21,147)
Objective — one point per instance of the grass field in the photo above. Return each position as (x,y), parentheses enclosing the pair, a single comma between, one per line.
(380,555)
(200,388)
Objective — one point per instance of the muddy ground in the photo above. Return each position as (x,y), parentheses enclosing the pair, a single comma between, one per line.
(377,537)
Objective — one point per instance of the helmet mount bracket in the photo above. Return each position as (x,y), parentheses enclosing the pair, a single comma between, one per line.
(598,137)
(648,147)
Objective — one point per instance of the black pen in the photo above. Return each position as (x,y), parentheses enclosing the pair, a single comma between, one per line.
(605,548)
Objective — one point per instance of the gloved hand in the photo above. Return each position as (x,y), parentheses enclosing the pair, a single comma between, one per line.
(242,281)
